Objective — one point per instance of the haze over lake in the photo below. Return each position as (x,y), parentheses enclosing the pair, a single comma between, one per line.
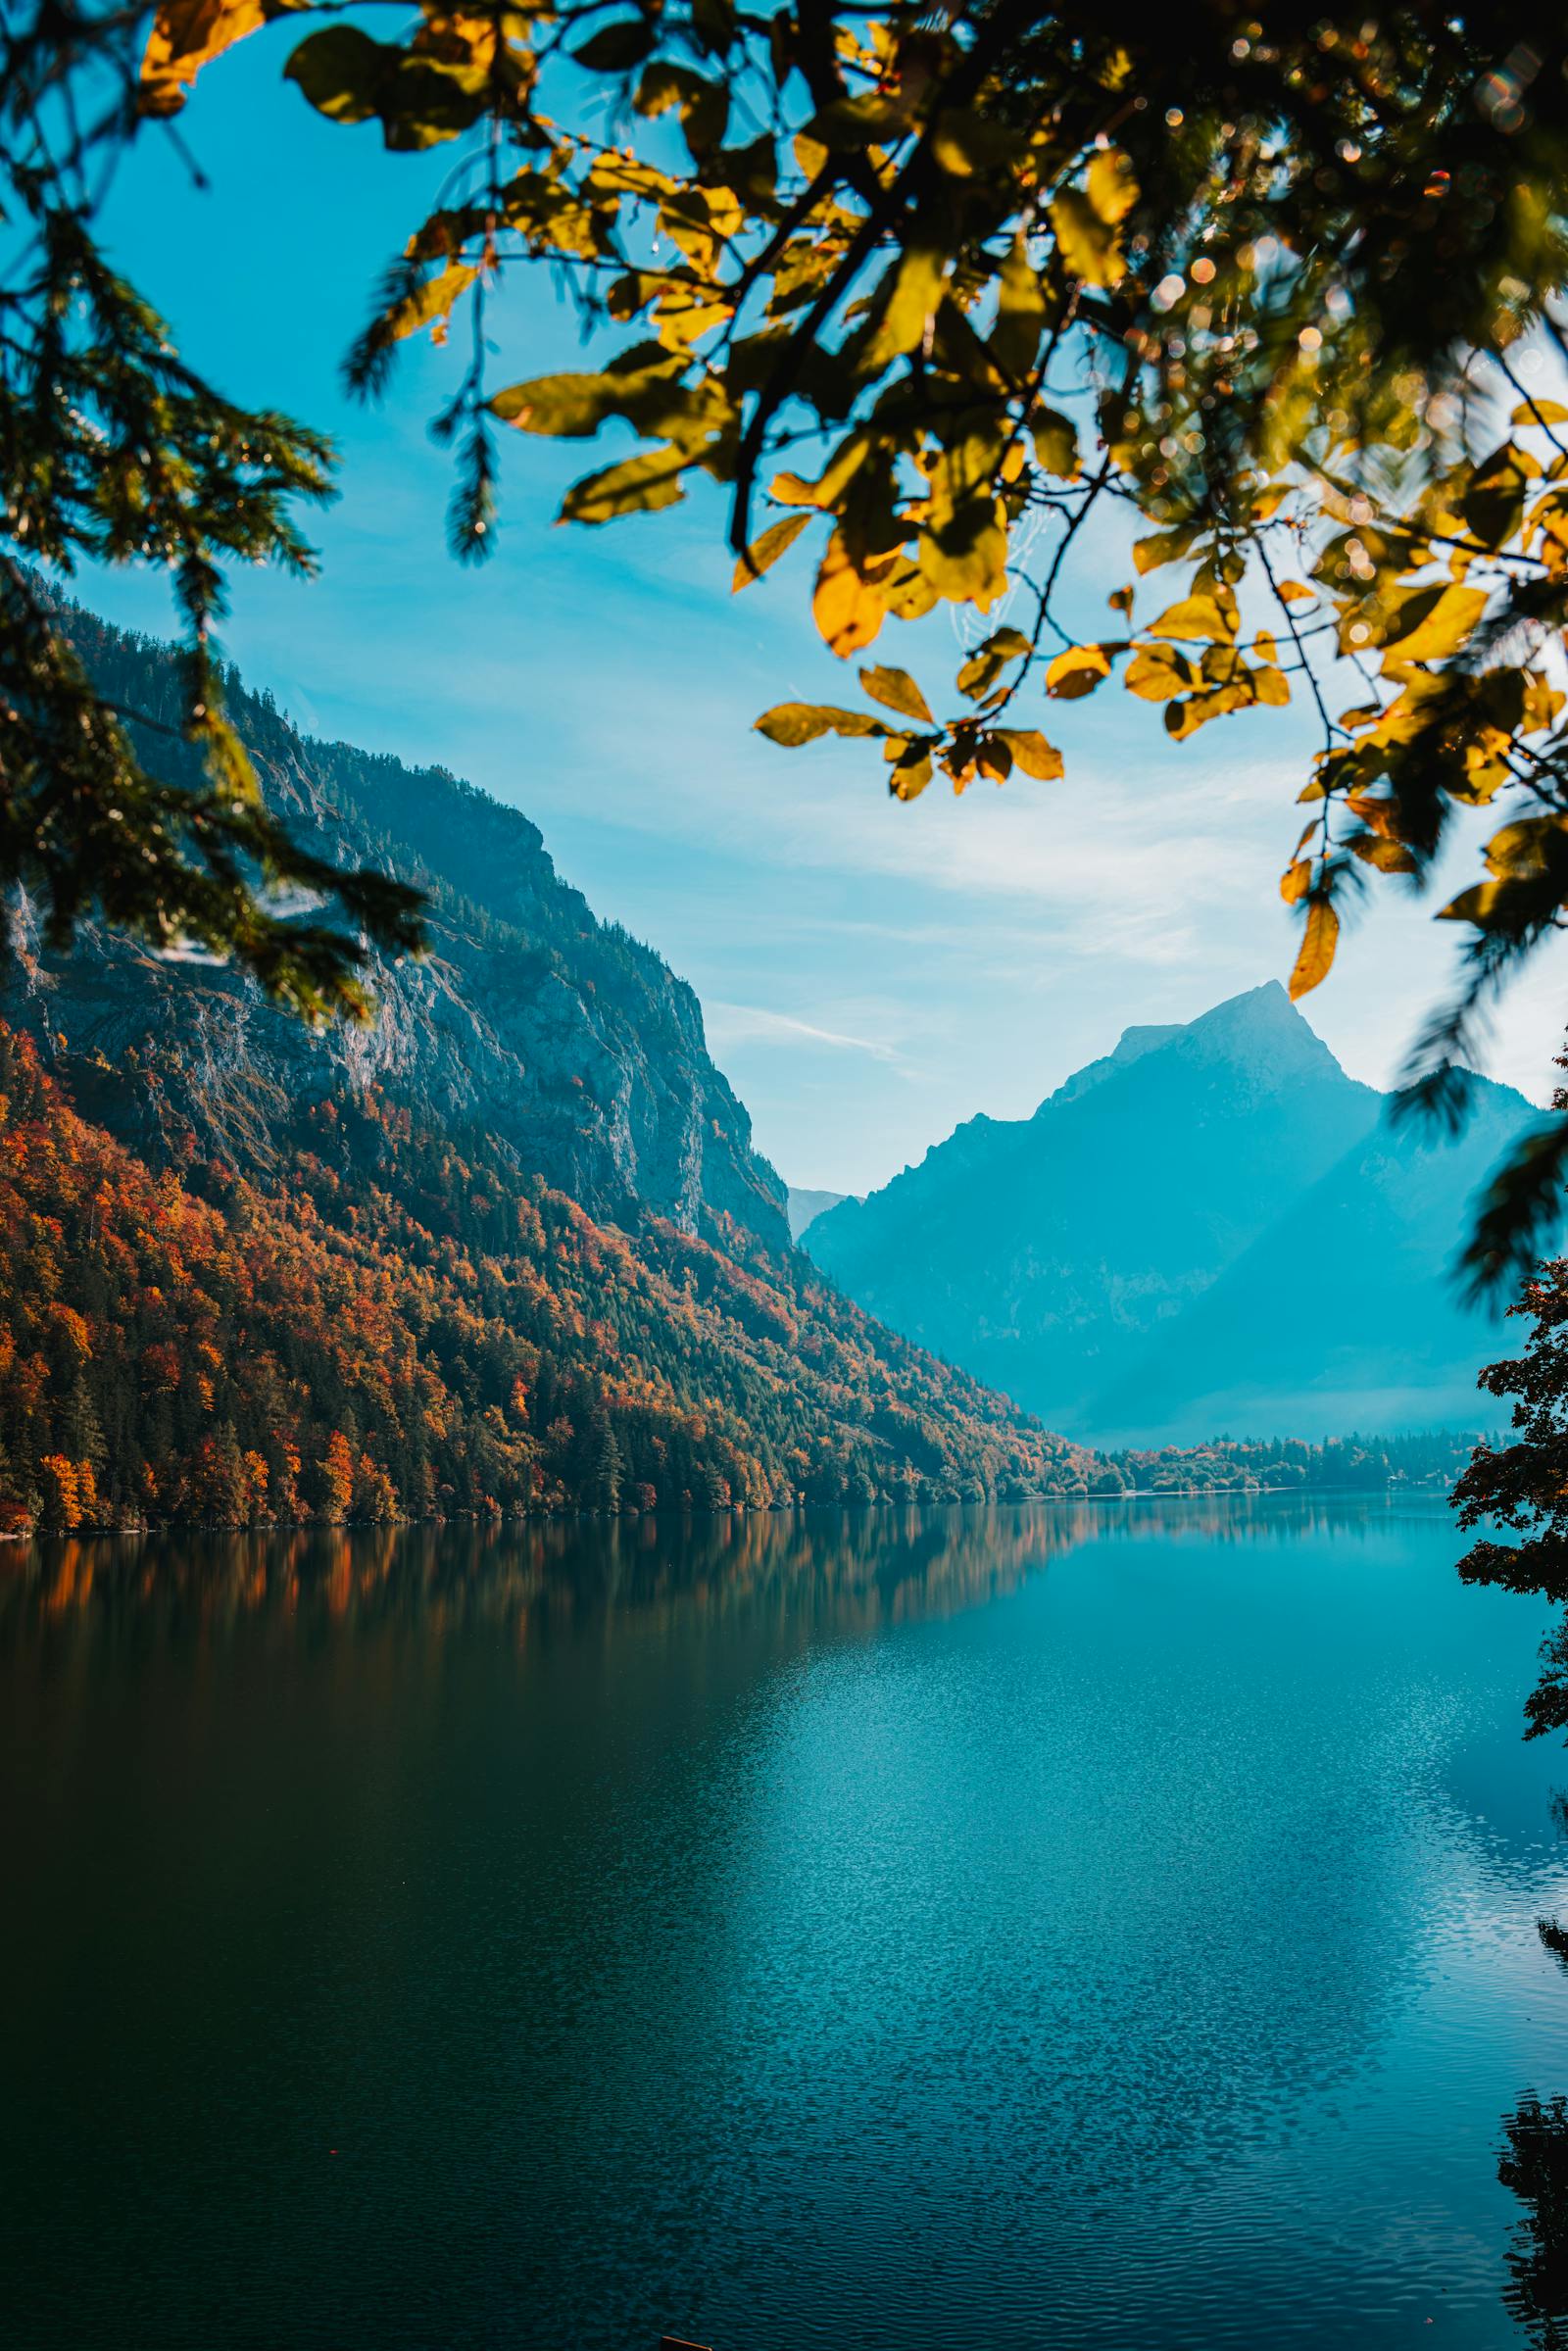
(1110,1923)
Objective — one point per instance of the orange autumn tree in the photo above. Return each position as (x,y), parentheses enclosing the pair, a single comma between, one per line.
(397,1327)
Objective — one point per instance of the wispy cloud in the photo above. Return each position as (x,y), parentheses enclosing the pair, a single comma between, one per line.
(731,1024)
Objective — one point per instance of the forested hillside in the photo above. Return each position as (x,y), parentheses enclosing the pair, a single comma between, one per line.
(530,1017)
(398,1324)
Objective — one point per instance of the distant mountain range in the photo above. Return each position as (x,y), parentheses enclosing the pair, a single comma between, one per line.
(805,1206)
(1211,1227)
(509,1249)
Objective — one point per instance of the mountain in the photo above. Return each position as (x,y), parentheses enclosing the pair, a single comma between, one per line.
(396,1326)
(509,1250)
(531,1019)
(805,1206)
(1211,1227)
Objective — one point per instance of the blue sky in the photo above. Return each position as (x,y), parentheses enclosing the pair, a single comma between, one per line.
(871,974)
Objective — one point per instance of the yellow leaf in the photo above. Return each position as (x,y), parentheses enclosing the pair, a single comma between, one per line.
(1297,879)
(1477,905)
(791,723)
(1090,246)
(1032,753)
(1056,444)
(1157,672)
(1200,619)
(765,551)
(1020,314)
(967,560)
(1295,591)
(1077,671)
(1389,856)
(1539,411)
(1112,189)
(1442,631)
(914,289)
(963,140)
(994,758)
(1163,546)
(431,302)
(637,485)
(846,611)
(187,34)
(1316,958)
(911,773)
(898,690)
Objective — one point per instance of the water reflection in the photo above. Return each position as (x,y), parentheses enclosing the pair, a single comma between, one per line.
(1111,1926)
(1536,2168)
(856,1570)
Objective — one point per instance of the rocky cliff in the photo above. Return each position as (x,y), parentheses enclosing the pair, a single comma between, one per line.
(530,1019)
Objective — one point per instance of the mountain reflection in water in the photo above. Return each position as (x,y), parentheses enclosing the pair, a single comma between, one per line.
(1110,1924)
(844,1571)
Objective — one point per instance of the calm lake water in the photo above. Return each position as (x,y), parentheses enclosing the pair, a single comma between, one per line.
(1107,1926)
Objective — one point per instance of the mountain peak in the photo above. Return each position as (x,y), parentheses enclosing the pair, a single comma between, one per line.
(1261,1027)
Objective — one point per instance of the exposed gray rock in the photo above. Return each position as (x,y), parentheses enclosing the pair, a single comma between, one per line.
(531,1018)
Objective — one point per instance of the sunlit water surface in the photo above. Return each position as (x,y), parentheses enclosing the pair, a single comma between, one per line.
(1111,1926)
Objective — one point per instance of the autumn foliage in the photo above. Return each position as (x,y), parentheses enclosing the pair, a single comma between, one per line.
(397,1327)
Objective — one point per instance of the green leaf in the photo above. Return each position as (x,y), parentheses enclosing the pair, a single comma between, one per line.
(896,690)
(793,723)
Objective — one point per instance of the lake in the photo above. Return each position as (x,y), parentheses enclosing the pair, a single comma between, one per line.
(1106,1924)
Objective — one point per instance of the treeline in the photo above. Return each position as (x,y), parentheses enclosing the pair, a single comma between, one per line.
(398,1327)
(1431,1457)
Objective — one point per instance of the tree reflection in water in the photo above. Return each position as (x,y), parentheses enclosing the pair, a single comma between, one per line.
(848,1569)
(1536,2168)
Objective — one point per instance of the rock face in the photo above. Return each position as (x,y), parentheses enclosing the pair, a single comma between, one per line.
(1213,1228)
(531,1020)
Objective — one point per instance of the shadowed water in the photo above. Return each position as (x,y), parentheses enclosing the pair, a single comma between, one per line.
(1109,1925)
